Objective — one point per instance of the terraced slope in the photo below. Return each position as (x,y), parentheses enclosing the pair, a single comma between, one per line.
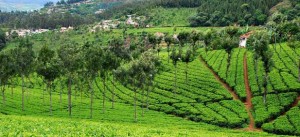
(215,91)
(282,86)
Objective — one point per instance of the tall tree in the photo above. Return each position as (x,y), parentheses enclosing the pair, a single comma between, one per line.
(183,38)
(169,41)
(135,74)
(70,59)
(175,56)
(260,43)
(116,46)
(24,58)
(48,68)
(92,64)
(6,72)
(2,39)
(108,63)
(208,38)
(187,58)
(195,37)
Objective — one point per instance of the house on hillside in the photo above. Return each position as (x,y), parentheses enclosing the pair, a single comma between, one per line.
(130,21)
(244,38)
(65,29)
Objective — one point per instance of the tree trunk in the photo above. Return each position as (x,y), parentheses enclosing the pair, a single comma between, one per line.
(168,54)
(147,102)
(60,94)
(81,93)
(69,96)
(175,86)
(23,90)
(113,94)
(228,64)
(135,109)
(265,89)
(3,94)
(12,88)
(103,94)
(92,97)
(265,96)
(143,92)
(299,70)
(186,73)
(44,93)
(256,77)
(50,93)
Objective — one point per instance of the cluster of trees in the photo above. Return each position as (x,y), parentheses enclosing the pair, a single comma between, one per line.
(178,3)
(286,31)
(2,39)
(224,13)
(285,13)
(259,42)
(36,20)
(135,67)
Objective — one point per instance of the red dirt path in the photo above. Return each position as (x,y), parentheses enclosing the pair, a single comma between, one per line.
(296,102)
(225,85)
(248,102)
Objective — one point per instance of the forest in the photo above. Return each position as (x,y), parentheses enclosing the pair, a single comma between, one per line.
(228,13)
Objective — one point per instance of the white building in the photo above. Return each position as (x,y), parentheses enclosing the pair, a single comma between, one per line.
(65,29)
(243,39)
(131,22)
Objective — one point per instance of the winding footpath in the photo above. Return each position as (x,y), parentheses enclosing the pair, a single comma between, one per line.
(248,103)
(225,85)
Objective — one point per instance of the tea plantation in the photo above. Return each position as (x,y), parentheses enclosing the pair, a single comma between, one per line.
(211,96)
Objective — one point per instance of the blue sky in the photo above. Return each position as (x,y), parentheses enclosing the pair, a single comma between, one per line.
(27,1)
(23,5)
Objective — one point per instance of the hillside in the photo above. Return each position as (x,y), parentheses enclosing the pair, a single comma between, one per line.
(151,68)
(212,93)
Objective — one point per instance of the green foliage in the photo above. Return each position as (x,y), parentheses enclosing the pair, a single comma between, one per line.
(43,20)
(234,73)
(259,41)
(183,37)
(276,104)
(286,124)
(169,16)
(23,56)
(92,60)
(7,68)
(70,59)
(2,39)
(48,66)
(176,55)
(212,13)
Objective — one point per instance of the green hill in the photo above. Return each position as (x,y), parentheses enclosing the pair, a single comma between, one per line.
(212,94)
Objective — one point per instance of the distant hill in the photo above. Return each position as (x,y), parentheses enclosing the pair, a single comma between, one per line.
(22,5)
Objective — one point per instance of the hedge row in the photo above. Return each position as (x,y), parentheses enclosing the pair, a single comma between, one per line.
(255,75)
(288,124)
(234,76)
(285,75)
(275,105)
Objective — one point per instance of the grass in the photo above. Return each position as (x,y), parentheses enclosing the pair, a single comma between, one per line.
(35,121)
(171,16)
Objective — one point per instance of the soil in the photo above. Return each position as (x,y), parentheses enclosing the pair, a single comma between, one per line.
(248,103)
(225,85)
